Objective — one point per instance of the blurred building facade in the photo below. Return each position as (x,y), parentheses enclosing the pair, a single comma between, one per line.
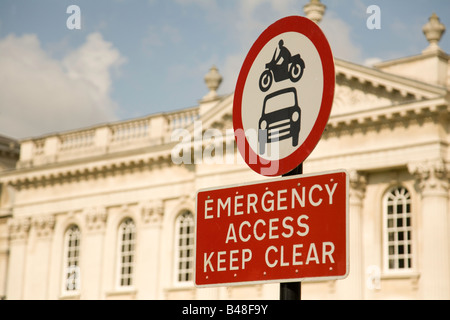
(106,213)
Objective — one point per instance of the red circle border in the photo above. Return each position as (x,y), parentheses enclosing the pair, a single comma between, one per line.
(312,31)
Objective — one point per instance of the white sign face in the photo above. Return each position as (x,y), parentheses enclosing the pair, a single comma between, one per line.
(283,96)
(305,92)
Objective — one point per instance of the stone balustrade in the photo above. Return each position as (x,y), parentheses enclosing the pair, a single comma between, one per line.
(103,139)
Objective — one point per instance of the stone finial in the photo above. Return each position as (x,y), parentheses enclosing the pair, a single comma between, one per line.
(433,31)
(213,79)
(314,10)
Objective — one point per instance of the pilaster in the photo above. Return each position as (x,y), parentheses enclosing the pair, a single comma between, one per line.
(93,252)
(432,180)
(19,229)
(148,271)
(38,257)
(355,280)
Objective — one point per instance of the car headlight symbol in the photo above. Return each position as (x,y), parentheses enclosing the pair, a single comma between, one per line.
(263,124)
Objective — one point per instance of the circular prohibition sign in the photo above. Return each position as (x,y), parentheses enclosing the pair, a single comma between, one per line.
(283,96)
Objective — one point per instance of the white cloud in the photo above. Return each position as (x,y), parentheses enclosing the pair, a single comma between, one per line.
(370,62)
(338,34)
(249,19)
(39,94)
(244,20)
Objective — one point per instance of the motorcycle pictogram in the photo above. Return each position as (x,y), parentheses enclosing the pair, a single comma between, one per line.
(281,67)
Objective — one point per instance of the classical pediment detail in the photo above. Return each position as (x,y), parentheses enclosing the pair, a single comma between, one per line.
(359,89)
(219,116)
(350,99)
(385,84)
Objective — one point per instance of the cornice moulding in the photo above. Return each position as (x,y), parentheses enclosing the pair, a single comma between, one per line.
(389,113)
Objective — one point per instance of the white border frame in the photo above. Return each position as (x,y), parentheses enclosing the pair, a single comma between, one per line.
(304,279)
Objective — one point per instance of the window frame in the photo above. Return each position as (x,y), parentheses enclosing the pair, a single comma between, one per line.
(398,232)
(126,227)
(184,250)
(74,251)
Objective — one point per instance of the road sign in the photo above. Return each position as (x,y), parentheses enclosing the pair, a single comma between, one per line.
(283,96)
(286,229)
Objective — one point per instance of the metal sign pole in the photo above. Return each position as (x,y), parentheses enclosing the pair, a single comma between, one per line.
(292,290)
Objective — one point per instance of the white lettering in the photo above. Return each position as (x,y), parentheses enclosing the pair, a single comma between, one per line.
(252,204)
(270,265)
(208,209)
(331,192)
(283,263)
(233,259)
(240,231)
(207,261)
(295,254)
(273,228)
(219,261)
(231,234)
(270,201)
(301,200)
(246,259)
(226,259)
(283,256)
(259,238)
(286,226)
(302,225)
(280,199)
(312,254)
(223,205)
(326,253)
(238,205)
(315,203)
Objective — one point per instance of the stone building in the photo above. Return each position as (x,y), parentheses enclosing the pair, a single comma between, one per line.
(106,213)
(9,154)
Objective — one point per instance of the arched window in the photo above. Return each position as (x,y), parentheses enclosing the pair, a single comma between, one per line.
(127,243)
(398,251)
(184,248)
(71,281)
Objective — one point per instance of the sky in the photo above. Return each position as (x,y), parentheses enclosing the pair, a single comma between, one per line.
(133,58)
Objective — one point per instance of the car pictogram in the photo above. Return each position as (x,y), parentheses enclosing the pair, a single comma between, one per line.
(280,119)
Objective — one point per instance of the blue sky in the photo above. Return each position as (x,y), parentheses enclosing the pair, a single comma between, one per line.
(132,58)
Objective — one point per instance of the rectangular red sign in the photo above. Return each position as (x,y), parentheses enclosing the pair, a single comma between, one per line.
(287,229)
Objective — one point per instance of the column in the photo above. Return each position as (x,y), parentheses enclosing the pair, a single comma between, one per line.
(93,246)
(354,283)
(148,273)
(434,248)
(18,232)
(39,249)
